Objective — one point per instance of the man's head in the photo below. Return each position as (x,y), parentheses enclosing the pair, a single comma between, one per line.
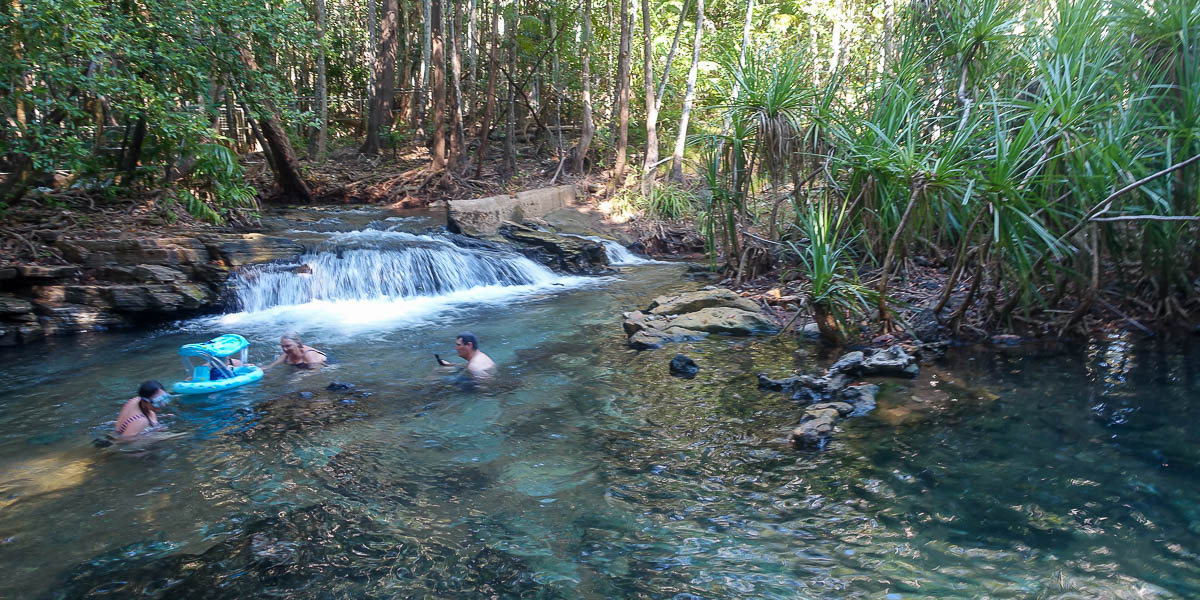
(466,344)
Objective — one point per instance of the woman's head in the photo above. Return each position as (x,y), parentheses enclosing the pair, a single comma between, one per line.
(291,343)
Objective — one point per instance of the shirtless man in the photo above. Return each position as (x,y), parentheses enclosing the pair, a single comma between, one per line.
(478,363)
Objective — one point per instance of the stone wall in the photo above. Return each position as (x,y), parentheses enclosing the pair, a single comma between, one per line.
(122,281)
(483,216)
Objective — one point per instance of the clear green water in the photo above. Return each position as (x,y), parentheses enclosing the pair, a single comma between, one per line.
(585,471)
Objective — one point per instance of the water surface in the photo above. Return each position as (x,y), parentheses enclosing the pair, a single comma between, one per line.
(584,471)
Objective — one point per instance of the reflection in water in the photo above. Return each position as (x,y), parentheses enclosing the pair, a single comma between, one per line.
(584,470)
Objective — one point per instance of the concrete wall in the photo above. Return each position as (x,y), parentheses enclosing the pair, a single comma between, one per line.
(483,216)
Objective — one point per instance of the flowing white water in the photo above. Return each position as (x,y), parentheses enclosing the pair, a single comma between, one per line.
(373,279)
(619,254)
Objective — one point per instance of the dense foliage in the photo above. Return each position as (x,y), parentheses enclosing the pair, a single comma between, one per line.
(1039,151)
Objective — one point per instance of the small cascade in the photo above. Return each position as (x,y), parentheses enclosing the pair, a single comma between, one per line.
(618,254)
(384,265)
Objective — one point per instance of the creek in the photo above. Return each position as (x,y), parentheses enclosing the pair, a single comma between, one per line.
(582,470)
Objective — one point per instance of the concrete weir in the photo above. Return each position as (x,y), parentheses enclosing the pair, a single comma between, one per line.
(483,216)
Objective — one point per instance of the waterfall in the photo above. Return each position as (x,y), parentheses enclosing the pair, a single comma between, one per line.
(618,254)
(374,265)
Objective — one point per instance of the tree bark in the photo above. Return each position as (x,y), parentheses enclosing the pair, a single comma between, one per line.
(472,61)
(688,97)
(437,82)
(322,91)
(509,166)
(372,45)
(622,125)
(587,126)
(457,135)
(489,109)
(423,73)
(648,166)
(385,78)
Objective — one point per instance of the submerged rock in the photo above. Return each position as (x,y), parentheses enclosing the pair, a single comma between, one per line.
(561,252)
(683,366)
(649,339)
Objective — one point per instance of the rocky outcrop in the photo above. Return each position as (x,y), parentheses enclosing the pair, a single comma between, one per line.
(683,366)
(482,217)
(122,281)
(832,397)
(694,301)
(565,253)
(692,316)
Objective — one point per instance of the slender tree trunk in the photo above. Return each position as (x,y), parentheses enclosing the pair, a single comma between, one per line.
(891,253)
(423,74)
(437,81)
(510,127)
(322,91)
(649,166)
(134,155)
(688,97)
(472,61)
(587,127)
(622,125)
(385,79)
(372,46)
(404,66)
(457,136)
(489,109)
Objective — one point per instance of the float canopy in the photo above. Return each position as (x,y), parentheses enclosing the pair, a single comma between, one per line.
(225,345)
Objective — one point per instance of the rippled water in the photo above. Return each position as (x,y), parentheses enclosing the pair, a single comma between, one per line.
(584,470)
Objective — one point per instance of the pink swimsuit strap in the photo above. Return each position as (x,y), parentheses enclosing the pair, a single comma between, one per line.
(127,422)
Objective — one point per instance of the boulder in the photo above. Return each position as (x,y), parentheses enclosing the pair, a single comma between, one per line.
(694,301)
(560,252)
(850,362)
(732,321)
(62,318)
(814,432)
(479,216)
(890,362)
(683,366)
(862,396)
(841,408)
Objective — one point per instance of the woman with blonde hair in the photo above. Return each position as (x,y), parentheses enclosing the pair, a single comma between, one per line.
(295,353)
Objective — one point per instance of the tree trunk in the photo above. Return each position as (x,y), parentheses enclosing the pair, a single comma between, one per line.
(423,74)
(372,45)
(489,109)
(385,79)
(133,156)
(437,81)
(322,91)
(509,166)
(622,125)
(688,97)
(457,136)
(587,126)
(648,166)
(472,62)
(831,331)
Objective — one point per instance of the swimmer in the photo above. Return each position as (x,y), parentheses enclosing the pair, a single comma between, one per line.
(478,363)
(140,412)
(295,353)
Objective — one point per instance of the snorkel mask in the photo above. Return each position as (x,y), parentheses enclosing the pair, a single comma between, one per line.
(160,401)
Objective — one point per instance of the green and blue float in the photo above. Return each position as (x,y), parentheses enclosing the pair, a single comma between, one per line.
(214,373)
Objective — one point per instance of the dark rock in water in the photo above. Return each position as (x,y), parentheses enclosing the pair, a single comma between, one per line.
(862,397)
(682,366)
(850,362)
(304,395)
(925,326)
(318,552)
(890,362)
(564,253)
(338,386)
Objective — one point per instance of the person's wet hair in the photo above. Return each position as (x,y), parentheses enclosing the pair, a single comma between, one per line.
(146,394)
(469,338)
(148,389)
(295,337)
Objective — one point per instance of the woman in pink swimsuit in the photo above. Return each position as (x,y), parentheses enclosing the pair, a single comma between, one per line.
(139,413)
